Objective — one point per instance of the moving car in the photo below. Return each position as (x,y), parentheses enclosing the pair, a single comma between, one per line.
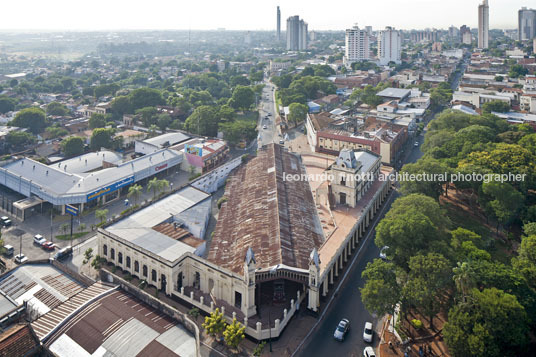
(9,250)
(368,332)
(281,142)
(5,221)
(39,239)
(341,330)
(64,252)
(369,352)
(48,246)
(416,143)
(20,259)
(383,252)
(265,127)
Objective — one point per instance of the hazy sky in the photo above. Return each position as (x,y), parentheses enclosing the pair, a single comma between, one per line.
(250,14)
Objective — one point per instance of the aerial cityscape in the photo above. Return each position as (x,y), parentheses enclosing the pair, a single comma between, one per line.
(314,187)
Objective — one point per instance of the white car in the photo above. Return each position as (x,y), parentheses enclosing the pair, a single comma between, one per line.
(383,252)
(265,127)
(21,258)
(416,143)
(369,352)
(341,330)
(39,239)
(368,332)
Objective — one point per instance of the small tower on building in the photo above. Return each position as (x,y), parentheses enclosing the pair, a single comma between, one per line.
(314,283)
(250,265)
(345,178)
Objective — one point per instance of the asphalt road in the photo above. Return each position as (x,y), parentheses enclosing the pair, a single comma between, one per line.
(267,106)
(347,303)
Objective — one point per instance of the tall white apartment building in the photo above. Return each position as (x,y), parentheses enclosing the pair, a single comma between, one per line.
(389,46)
(357,46)
(483,24)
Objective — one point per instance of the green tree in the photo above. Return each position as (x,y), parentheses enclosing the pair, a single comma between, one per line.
(56,108)
(121,105)
(203,121)
(506,201)
(33,119)
(97,121)
(56,132)
(297,113)
(72,146)
(477,328)
(88,254)
(106,89)
(525,262)
(7,104)
(19,139)
(414,223)
(381,292)
(101,215)
(102,138)
(154,185)
(214,324)
(238,130)
(496,106)
(148,116)
(437,175)
(428,279)
(64,228)
(243,98)
(234,334)
(145,97)
(135,191)
(517,71)
(163,121)
(226,113)
(464,279)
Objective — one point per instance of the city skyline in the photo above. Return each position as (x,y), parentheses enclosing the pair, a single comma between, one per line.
(245,15)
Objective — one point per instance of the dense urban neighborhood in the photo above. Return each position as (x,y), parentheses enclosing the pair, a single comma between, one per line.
(297,192)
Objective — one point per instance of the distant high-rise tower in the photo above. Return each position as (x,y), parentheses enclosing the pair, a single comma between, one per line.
(389,46)
(296,34)
(526,28)
(357,46)
(483,24)
(278,24)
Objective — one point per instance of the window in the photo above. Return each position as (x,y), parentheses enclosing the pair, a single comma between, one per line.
(105,249)
(153,275)
(128,262)
(238,300)
(112,253)
(120,258)
(136,266)
(197,280)
(145,270)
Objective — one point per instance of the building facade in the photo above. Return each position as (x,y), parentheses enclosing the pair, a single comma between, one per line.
(389,46)
(278,24)
(296,34)
(526,28)
(357,44)
(483,25)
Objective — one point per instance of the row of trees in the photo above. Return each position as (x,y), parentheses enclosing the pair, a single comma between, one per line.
(434,265)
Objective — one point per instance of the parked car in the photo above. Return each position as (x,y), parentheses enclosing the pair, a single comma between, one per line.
(5,221)
(20,259)
(383,252)
(369,352)
(63,252)
(368,332)
(9,250)
(341,330)
(39,239)
(48,246)
(281,142)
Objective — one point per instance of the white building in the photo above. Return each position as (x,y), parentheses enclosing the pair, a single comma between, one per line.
(389,46)
(483,24)
(357,46)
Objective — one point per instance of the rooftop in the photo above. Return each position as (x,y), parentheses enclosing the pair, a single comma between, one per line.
(167,139)
(88,162)
(118,324)
(394,93)
(276,217)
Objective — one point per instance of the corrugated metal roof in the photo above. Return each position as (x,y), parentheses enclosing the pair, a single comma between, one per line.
(277,218)
(88,162)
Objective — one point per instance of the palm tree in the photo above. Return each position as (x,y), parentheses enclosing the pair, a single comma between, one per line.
(154,185)
(463,278)
(101,214)
(163,184)
(134,191)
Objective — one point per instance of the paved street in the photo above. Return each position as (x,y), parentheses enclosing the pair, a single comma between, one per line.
(267,106)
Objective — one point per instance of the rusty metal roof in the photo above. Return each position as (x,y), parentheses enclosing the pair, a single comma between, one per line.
(277,218)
